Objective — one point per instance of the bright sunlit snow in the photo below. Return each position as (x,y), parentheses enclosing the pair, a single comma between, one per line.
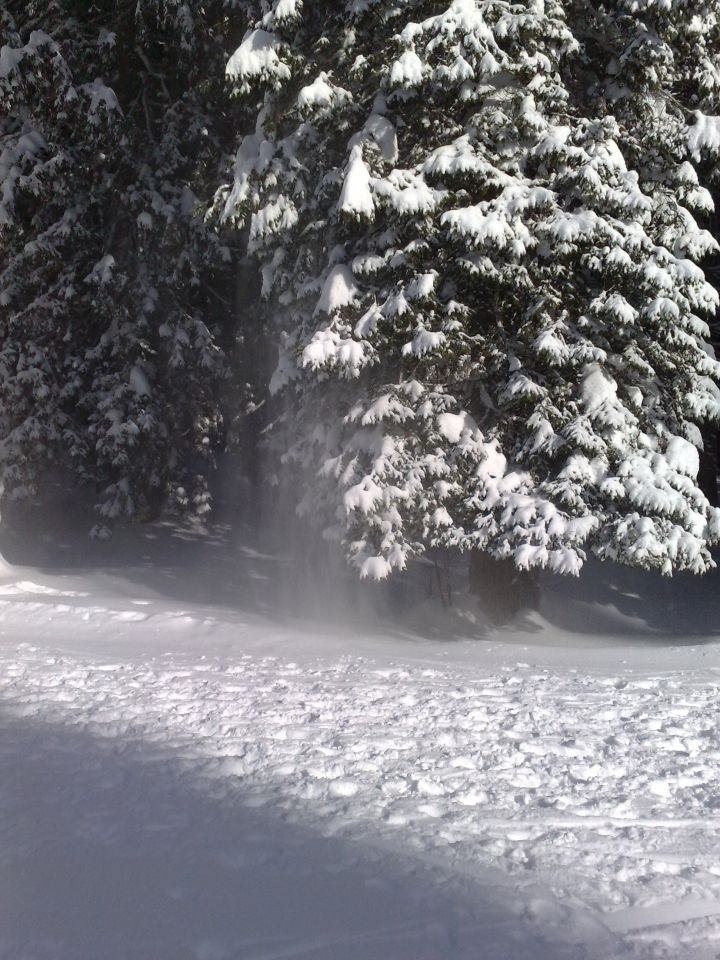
(194,766)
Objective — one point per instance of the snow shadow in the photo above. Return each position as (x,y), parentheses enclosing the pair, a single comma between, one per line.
(611,600)
(112,850)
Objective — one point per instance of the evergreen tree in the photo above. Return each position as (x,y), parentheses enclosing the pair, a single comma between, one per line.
(115,294)
(483,280)
(655,67)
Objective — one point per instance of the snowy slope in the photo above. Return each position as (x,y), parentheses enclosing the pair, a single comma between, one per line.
(191,770)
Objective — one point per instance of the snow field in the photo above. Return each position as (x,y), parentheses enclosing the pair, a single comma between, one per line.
(591,798)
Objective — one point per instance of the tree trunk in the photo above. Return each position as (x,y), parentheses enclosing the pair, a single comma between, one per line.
(503,590)
(709,467)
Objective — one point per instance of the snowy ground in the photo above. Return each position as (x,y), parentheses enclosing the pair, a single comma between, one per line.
(187,771)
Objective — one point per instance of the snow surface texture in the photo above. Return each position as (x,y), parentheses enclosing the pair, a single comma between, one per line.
(208,781)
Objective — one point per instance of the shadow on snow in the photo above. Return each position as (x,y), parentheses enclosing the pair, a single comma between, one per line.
(115,849)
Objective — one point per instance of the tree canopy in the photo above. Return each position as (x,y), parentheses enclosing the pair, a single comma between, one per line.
(478,230)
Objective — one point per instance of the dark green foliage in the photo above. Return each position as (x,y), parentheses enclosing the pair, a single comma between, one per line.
(117,299)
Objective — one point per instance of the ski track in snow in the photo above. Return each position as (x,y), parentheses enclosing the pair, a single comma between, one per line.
(592,799)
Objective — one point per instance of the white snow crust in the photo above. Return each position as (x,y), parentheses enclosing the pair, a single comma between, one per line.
(188,772)
(338,291)
(704,135)
(257,56)
(356,195)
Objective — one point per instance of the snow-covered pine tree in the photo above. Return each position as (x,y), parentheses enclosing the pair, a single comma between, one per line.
(115,295)
(491,334)
(655,67)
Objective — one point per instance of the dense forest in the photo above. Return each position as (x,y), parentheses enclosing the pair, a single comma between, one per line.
(446,268)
